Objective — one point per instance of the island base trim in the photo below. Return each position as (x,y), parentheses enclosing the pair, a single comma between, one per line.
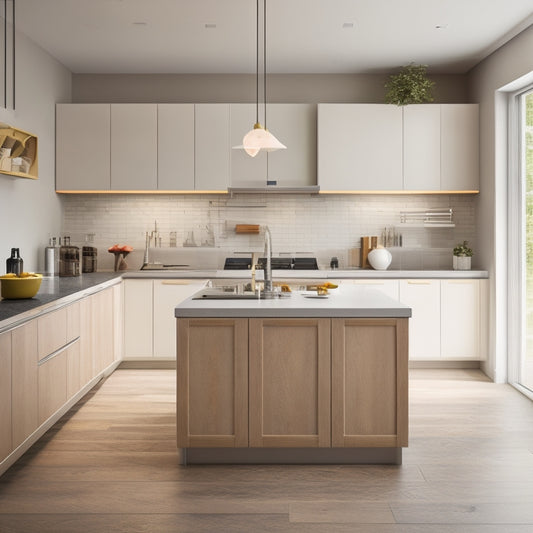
(291,456)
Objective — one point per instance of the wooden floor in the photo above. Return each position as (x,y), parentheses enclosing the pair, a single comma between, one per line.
(111,465)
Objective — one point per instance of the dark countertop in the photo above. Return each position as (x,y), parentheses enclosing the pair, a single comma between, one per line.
(53,290)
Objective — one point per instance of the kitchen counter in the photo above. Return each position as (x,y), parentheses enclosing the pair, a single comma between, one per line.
(53,293)
(310,274)
(344,302)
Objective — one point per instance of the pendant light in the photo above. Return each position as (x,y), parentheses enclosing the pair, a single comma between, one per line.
(259,138)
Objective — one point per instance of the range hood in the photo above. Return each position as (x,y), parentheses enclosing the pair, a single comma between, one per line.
(275,189)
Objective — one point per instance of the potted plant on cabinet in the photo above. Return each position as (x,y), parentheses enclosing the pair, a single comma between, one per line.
(462,257)
(410,86)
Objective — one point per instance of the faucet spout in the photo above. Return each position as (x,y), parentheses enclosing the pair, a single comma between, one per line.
(268,266)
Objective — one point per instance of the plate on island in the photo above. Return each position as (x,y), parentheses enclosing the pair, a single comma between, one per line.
(315,295)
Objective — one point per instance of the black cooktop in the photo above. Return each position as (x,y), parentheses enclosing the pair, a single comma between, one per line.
(278,263)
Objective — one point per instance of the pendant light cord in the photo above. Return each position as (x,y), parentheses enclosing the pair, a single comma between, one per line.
(265,58)
(257,62)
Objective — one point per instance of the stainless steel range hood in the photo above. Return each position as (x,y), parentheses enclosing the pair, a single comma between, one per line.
(275,189)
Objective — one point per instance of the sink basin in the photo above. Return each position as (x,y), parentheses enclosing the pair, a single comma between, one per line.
(222,295)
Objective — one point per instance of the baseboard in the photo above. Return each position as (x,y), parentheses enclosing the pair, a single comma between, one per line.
(445,364)
(147,364)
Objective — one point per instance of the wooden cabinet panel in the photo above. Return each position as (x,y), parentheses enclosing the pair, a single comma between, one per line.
(421,147)
(87,367)
(6,444)
(423,296)
(359,147)
(73,321)
(460,319)
(118,322)
(74,383)
(52,385)
(289,382)
(167,294)
(138,327)
(24,381)
(294,125)
(103,345)
(460,147)
(52,332)
(369,382)
(175,147)
(83,154)
(212,147)
(212,383)
(134,147)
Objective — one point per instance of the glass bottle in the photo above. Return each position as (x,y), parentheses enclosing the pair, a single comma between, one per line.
(14,264)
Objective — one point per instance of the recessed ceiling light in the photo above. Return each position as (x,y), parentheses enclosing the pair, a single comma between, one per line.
(210,25)
(441,26)
(348,25)
(140,23)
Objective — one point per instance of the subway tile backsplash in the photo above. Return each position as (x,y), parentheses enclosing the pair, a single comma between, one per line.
(325,225)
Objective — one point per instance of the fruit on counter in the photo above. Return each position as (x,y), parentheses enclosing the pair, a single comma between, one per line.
(12,275)
(127,248)
(285,288)
(118,248)
(329,285)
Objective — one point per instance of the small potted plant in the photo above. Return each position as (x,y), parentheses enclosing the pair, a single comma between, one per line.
(410,86)
(462,257)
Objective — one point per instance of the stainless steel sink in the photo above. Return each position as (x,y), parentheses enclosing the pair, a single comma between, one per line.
(222,295)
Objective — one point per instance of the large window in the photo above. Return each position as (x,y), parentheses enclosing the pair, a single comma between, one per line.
(525,377)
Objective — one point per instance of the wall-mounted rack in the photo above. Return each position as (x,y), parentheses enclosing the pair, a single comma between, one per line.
(427,218)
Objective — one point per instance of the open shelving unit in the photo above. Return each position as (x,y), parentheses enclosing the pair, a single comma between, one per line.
(16,143)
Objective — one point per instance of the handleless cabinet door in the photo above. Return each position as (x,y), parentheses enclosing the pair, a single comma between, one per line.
(83,156)
(359,147)
(134,147)
(138,318)
(175,147)
(24,382)
(423,296)
(421,147)
(52,385)
(212,147)
(459,147)
(294,125)
(6,445)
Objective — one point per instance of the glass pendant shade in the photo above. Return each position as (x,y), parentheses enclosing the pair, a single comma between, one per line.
(259,139)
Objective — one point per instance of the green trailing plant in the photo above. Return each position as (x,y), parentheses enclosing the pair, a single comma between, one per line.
(462,250)
(410,86)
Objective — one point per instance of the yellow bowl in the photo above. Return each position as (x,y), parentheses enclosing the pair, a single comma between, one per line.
(16,288)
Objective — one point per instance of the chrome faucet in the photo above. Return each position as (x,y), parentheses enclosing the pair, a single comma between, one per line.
(268,266)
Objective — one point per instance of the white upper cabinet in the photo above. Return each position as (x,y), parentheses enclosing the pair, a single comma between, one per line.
(246,171)
(212,147)
(359,147)
(175,147)
(421,147)
(460,147)
(83,154)
(294,125)
(134,147)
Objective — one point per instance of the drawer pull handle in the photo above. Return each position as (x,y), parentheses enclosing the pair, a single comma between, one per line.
(419,282)
(175,283)
(57,352)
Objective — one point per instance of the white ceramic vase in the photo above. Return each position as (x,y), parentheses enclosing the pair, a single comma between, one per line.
(462,262)
(379,258)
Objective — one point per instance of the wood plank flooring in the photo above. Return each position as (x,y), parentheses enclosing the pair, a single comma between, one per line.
(111,465)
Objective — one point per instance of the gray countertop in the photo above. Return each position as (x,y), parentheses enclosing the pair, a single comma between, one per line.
(54,292)
(344,302)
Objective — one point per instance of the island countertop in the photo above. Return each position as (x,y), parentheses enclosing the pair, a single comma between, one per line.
(344,302)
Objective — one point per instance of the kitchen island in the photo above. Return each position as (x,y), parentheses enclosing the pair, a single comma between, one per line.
(299,379)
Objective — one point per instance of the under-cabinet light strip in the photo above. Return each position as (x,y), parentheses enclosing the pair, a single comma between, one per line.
(259,192)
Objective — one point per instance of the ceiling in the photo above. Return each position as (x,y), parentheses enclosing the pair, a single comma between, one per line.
(304,36)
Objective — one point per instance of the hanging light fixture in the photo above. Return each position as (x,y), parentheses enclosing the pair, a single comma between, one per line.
(259,138)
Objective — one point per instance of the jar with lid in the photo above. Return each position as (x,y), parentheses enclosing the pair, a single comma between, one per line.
(14,264)
(89,255)
(69,259)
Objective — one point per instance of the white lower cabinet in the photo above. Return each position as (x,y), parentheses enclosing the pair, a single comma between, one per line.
(460,319)
(149,323)
(390,287)
(423,296)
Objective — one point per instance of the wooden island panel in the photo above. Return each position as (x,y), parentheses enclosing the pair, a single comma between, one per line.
(289,382)
(212,383)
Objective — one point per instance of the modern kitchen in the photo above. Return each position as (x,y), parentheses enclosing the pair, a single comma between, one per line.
(252,286)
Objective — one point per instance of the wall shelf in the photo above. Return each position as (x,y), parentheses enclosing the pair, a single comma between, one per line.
(18,152)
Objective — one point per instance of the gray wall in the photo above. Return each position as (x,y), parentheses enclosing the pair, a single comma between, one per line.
(507,64)
(30,210)
(306,88)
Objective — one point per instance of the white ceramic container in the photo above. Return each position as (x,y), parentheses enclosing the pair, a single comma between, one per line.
(379,258)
